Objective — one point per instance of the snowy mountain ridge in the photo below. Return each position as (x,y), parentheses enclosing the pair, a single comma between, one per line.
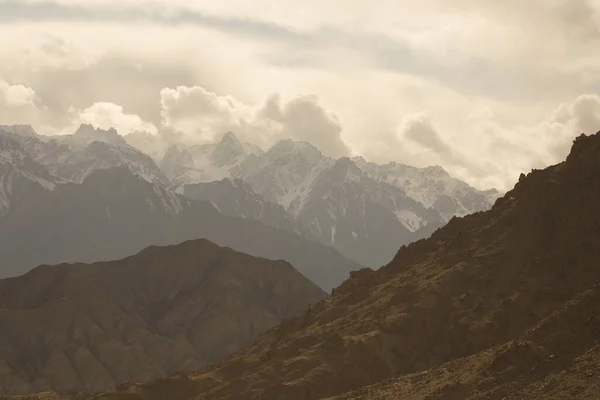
(285,173)
(19,174)
(73,157)
(343,203)
(86,134)
(362,209)
(433,187)
(205,162)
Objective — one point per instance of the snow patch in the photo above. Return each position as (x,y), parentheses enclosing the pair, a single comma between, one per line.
(409,219)
(215,206)
(151,206)
(170,201)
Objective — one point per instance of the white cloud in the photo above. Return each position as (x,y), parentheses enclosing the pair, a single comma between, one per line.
(492,155)
(19,105)
(108,115)
(17,95)
(203,116)
(303,118)
(200,114)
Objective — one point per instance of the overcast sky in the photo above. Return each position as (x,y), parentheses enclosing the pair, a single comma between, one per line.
(487,89)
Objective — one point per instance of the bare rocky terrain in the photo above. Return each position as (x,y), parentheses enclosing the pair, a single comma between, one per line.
(78,327)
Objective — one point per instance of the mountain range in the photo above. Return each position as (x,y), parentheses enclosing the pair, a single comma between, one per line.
(207,162)
(76,327)
(234,197)
(362,210)
(502,304)
(114,213)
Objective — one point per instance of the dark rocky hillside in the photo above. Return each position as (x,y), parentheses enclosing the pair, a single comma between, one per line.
(89,327)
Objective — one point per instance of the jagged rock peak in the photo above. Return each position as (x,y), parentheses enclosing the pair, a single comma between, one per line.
(346,165)
(289,146)
(437,170)
(90,130)
(585,146)
(230,138)
(177,155)
(346,162)
(344,170)
(228,143)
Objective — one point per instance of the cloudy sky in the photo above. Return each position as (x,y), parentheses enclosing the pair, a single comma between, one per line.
(486,88)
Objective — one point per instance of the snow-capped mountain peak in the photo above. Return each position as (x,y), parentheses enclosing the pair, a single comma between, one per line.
(73,157)
(87,134)
(177,155)
(437,171)
(90,131)
(14,155)
(101,155)
(19,174)
(177,163)
(284,174)
(206,162)
(432,186)
(344,170)
(23,130)
(228,151)
(292,148)
(229,139)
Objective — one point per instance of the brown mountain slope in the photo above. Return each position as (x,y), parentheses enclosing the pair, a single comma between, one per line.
(89,327)
(559,358)
(498,305)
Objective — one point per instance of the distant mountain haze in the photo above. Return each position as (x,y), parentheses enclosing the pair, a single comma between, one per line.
(115,213)
(390,205)
(236,198)
(362,210)
(207,162)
